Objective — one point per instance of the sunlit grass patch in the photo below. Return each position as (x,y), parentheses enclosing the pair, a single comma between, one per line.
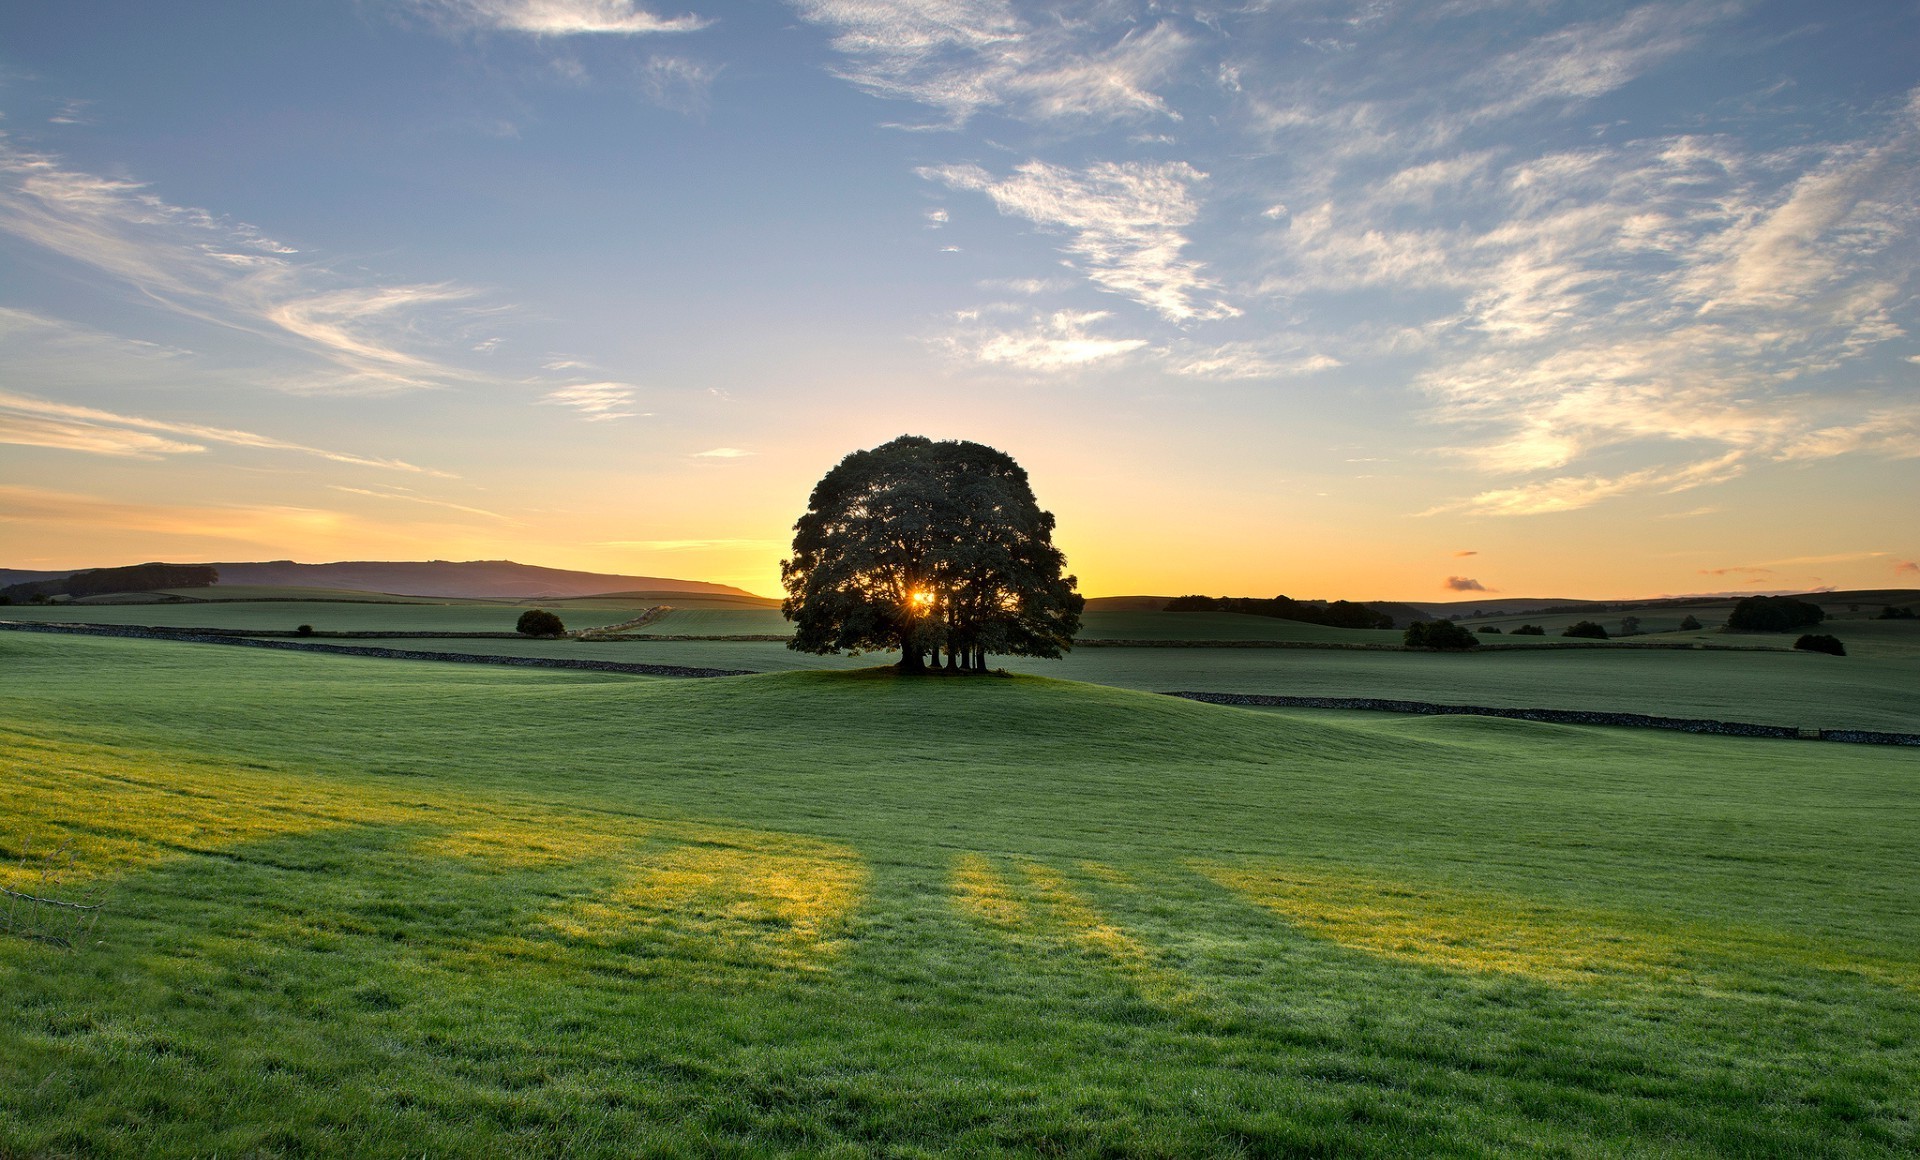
(531,842)
(120,808)
(1455,929)
(753,897)
(1044,911)
(981,893)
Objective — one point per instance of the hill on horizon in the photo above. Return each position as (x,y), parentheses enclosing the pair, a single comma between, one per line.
(486,579)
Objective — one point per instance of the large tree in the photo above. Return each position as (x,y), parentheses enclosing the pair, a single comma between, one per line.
(929,548)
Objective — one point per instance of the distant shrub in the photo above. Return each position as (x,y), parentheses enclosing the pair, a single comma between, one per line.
(1629,626)
(1191,604)
(305,630)
(1489,629)
(1774,614)
(1895,612)
(1586,629)
(1690,624)
(1529,630)
(1439,634)
(1821,644)
(539,622)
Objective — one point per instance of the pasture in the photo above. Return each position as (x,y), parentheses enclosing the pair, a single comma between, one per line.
(377,908)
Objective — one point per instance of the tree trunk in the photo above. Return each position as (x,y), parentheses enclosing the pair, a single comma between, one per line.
(910,660)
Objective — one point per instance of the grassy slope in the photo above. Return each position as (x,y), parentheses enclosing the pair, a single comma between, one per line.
(1871,689)
(378,908)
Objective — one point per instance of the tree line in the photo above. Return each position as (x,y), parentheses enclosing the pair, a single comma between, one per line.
(102,581)
(1336,614)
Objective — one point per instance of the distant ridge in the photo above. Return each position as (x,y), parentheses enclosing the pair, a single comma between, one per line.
(480,579)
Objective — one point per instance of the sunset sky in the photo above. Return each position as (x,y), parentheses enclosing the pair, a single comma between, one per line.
(1331,299)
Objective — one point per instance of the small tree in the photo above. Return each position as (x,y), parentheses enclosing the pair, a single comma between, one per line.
(1529,630)
(1822,643)
(1629,625)
(1442,634)
(1690,624)
(1586,629)
(305,630)
(1491,630)
(539,622)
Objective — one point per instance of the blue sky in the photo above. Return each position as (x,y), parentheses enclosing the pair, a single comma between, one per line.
(1355,299)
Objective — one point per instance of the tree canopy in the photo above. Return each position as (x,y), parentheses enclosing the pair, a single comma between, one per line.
(539,622)
(1774,614)
(928,547)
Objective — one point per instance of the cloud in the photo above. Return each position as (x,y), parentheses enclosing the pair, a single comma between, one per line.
(693,545)
(1245,360)
(722,453)
(44,423)
(1051,344)
(1907,567)
(1124,222)
(421,499)
(261,525)
(556,17)
(1672,295)
(1464,584)
(1570,492)
(227,274)
(597,401)
(1468,552)
(960,57)
(1589,60)
(679,84)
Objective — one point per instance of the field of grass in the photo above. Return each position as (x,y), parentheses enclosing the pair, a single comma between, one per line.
(1871,689)
(375,908)
(285,616)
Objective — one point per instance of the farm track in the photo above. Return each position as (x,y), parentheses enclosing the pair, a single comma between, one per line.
(1421,708)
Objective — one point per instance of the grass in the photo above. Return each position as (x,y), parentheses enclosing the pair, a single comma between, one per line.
(1869,689)
(372,908)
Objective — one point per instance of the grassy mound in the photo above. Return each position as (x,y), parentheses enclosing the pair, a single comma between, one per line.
(375,908)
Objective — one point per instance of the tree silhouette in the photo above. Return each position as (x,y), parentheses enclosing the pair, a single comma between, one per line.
(928,547)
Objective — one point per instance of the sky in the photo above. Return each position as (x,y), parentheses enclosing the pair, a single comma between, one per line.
(1368,300)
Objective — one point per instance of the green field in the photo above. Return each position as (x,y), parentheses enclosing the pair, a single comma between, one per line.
(1872,689)
(366,907)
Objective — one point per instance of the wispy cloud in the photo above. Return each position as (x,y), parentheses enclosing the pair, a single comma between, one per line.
(678,83)
(1124,222)
(556,17)
(405,496)
(693,545)
(227,274)
(1569,492)
(1674,295)
(1463,584)
(45,423)
(270,526)
(1907,567)
(1468,552)
(597,401)
(722,453)
(1056,342)
(1246,360)
(962,57)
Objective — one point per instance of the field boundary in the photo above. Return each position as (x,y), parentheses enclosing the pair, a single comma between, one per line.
(194,636)
(1558,717)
